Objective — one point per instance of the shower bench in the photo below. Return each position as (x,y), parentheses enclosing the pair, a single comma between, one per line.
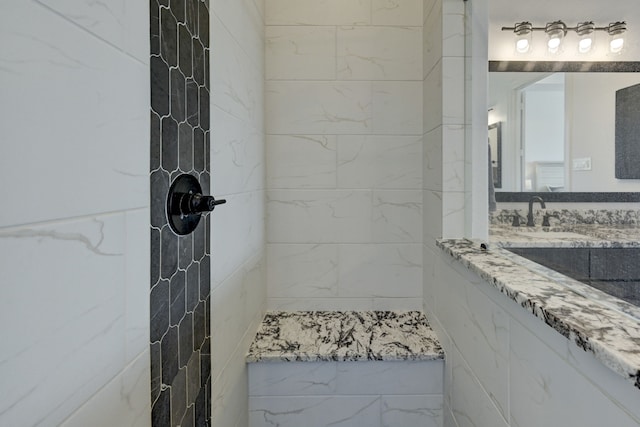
(345,368)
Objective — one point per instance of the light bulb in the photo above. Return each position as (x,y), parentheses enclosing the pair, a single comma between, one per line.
(616,45)
(522,45)
(584,45)
(553,44)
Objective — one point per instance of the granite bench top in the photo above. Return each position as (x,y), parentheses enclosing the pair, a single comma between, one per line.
(310,336)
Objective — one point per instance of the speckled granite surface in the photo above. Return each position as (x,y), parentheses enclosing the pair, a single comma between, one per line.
(576,236)
(344,336)
(612,336)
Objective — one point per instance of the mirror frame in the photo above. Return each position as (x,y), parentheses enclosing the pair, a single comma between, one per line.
(570,67)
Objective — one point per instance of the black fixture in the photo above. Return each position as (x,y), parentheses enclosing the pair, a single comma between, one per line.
(516,219)
(545,219)
(185,204)
(532,200)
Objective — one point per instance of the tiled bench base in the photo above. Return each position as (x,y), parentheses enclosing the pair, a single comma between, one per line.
(370,369)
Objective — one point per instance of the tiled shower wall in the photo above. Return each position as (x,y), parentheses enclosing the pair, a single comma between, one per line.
(344,153)
(74,228)
(180,265)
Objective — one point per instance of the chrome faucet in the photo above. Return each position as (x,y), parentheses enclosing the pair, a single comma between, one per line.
(530,222)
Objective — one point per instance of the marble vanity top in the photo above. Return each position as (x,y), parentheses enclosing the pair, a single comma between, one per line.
(611,335)
(309,336)
(576,235)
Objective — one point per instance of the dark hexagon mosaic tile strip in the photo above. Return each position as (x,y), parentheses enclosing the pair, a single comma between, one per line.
(180,265)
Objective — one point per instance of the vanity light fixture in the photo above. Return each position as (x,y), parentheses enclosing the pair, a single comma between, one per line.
(557,30)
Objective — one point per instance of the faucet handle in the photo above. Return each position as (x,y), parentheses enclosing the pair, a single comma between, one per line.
(545,219)
(516,220)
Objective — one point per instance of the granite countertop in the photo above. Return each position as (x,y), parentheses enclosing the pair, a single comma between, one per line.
(309,336)
(572,235)
(611,335)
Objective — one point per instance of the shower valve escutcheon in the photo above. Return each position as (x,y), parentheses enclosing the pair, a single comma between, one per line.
(186,204)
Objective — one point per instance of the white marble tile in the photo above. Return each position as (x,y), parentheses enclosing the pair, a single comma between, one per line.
(302,270)
(396,12)
(319,216)
(397,216)
(124,401)
(237,155)
(453,86)
(227,320)
(310,12)
(394,304)
(321,304)
(320,107)
(432,36)
(433,98)
(379,53)
(315,411)
(137,282)
(453,33)
(229,390)
(379,161)
(243,19)
(470,404)
(397,108)
(453,214)
(116,23)
(300,53)
(546,389)
(398,377)
(433,167)
(380,271)
(236,82)
(292,378)
(105,113)
(237,233)
(402,411)
(301,161)
(432,225)
(480,330)
(254,284)
(453,158)
(74,315)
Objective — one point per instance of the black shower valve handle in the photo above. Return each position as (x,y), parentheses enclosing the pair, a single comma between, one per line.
(197,203)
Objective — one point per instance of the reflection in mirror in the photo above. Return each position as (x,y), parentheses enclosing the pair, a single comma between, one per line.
(495,145)
(558,130)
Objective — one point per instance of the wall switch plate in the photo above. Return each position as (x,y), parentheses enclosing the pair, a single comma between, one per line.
(582,164)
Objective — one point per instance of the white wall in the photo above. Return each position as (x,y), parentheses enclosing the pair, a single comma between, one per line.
(506,367)
(238,290)
(591,101)
(74,229)
(344,153)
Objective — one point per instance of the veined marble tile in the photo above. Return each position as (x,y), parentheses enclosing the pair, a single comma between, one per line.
(244,21)
(320,107)
(397,108)
(237,233)
(423,411)
(379,53)
(300,161)
(432,224)
(105,93)
(397,12)
(471,406)
(323,304)
(432,92)
(453,33)
(453,158)
(432,35)
(302,270)
(237,154)
(124,401)
(300,53)
(388,270)
(433,168)
(292,378)
(397,216)
(236,83)
(319,216)
(390,377)
(42,299)
(116,22)
(310,12)
(379,161)
(315,411)
(453,85)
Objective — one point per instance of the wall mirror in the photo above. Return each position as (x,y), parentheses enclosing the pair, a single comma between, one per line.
(556,124)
